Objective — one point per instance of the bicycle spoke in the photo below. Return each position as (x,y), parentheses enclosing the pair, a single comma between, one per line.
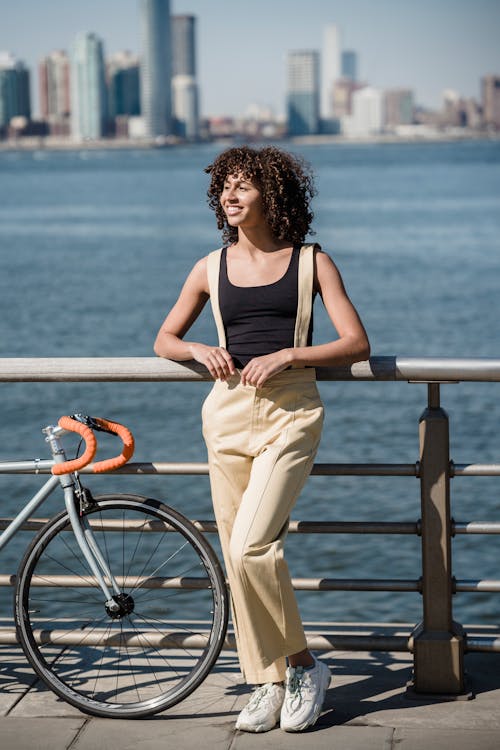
(154,648)
(146,565)
(181,574)
(189,653)
(47,579)
(132,625)
(99,670)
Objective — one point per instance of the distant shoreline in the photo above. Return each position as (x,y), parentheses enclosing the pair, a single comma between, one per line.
(47,143)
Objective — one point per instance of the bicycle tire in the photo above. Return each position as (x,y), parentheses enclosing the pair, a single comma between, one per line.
(128,666)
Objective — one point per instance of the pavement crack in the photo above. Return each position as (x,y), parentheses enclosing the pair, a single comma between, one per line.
(22,695)
(75,739)
(389,743)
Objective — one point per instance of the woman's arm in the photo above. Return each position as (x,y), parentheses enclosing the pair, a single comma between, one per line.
(170,339)
(351,346)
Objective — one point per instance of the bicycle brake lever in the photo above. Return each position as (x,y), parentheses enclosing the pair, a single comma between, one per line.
(90,422)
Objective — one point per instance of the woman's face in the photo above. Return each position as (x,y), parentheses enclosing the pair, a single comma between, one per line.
(241,201)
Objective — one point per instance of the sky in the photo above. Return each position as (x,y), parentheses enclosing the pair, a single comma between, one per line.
(426,45)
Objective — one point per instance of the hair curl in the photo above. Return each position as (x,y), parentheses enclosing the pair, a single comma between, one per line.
(286,184)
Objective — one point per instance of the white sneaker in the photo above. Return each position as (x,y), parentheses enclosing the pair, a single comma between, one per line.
(304,696)
(263,709)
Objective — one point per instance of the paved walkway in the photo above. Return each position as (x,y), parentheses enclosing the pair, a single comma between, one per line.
(366,708)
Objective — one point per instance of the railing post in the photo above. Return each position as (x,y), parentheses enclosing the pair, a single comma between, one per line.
(438,642)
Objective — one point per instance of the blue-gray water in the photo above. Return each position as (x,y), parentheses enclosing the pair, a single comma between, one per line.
(94,246)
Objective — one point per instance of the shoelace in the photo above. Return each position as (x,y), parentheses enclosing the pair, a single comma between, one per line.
(295,684)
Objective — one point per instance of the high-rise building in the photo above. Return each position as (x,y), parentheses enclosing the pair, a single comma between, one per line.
(399,106)
(55,101)
(88,88)
(490,86)
(122,73)
(367,116)
(185,97)
(330,68)
(15,98)
(349,68)
(473,113)
(156,67)
(342,96)
(183,45)
(303,92)
(452,113)
(185,106)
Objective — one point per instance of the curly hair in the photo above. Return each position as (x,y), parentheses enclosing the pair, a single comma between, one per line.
(284,180)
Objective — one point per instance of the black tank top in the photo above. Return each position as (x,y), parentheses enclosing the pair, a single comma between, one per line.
(259,320)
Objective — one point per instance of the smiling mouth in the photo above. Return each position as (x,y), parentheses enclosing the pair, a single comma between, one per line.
(233,210)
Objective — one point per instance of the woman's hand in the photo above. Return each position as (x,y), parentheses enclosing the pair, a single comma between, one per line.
(260,369)
(216,359)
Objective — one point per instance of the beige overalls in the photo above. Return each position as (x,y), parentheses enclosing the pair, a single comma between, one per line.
(261,445)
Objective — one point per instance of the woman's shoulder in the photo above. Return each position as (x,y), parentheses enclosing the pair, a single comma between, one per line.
(322,258)
(200,271)
(202,263)
(325,268)
(196,280)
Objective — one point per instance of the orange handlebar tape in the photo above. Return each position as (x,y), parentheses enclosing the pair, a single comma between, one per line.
(109,464)
(66,467)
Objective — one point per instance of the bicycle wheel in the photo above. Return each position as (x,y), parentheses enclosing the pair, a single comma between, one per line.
(173,609)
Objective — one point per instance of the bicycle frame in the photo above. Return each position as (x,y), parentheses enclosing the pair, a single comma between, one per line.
(81,530)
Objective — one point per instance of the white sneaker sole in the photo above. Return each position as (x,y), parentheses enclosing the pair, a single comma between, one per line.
(257,729)
(242,726)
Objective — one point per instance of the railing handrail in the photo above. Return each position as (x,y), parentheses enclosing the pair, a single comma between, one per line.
(143,369)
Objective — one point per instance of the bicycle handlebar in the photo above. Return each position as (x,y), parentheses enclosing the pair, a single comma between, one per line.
(73,425)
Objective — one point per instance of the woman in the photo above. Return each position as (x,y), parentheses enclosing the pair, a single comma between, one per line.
(262,420)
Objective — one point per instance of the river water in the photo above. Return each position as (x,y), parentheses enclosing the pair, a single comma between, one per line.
(94,246)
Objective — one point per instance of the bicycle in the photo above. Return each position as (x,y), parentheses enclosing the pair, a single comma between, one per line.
(104,621)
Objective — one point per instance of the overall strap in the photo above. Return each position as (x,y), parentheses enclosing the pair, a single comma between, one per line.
(213,270)
(305,295)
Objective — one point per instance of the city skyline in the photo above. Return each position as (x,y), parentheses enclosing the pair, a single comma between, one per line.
(428,46)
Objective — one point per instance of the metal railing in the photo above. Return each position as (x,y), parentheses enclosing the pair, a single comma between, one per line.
(438,643)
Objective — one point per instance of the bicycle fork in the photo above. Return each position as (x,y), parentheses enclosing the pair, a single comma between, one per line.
(84,536)
(90,549)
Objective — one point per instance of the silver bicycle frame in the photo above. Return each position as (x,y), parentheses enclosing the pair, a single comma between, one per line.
(82,531)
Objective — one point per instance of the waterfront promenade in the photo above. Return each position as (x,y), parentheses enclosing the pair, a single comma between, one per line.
(368,705)
(367,708)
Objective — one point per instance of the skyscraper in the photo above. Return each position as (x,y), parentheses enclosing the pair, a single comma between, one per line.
(185,101)
(54,81)
(184,45)
(303,92)
(122,71)
(88,88)
(156,66)
(330,68)
(14,89)
(490,86)
(349,65)
(184,85)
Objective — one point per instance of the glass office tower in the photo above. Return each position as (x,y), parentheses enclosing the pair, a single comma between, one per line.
(303,93)
(88,88)
(156,106)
